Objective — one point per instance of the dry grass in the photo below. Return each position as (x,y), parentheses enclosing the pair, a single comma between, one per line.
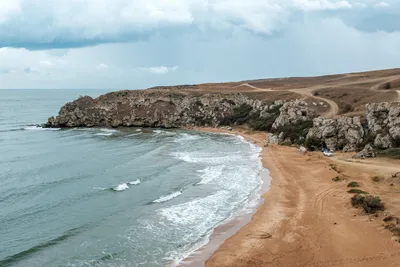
(353,99)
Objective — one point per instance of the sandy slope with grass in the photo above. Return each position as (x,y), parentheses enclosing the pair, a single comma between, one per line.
(307,218)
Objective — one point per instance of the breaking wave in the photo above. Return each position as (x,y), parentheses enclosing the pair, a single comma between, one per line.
(168,197)
(121,187)
(135,182)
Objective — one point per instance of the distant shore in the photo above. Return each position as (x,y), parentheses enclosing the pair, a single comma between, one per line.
(306,218)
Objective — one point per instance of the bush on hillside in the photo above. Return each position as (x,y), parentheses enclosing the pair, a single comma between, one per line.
(296,132)
(312,143)
(356,191)
(370,204)
(244,115)
(353,184)
(393,153)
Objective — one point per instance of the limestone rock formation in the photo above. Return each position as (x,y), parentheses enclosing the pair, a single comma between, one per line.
(384,122)
(342,133)
(367,152)
(293,112)
(151,109)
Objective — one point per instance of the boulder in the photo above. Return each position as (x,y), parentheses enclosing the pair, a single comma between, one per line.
(383,141)
(293,112)
(272,139)
(367,152)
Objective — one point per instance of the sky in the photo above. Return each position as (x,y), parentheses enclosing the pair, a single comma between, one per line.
(135,44)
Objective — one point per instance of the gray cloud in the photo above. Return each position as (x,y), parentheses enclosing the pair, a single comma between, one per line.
(49,24)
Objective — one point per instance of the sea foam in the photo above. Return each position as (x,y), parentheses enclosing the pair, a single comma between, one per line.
(121,187)
(135,182)
(167,197)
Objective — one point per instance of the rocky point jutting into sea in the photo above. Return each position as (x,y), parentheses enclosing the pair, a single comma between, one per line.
(290,122)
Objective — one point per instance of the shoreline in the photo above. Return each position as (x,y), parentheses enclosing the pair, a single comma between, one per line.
(306,218)
(232,225)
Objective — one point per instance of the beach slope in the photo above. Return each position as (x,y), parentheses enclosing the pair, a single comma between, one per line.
(307,219)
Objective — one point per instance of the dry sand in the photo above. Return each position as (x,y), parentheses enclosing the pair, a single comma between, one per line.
(307,219)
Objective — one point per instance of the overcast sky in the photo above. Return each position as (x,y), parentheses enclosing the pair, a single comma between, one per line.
(129,44)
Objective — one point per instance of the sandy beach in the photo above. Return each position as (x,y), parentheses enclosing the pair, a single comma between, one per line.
(307,219)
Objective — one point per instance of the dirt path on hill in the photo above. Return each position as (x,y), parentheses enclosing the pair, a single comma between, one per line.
(333,106)
(307,220)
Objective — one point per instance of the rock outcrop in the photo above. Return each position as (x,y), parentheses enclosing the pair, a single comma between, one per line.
(367,152)
(293,112)
(348,134)
(343,133)
(384,123)
(151,109)
(289,122)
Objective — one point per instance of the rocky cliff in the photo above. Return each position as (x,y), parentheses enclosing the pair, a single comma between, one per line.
(381,129)
(291,122)
(153,109)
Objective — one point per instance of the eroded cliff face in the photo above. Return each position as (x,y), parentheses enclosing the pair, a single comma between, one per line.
(382,129)
(290,122)
(151,109)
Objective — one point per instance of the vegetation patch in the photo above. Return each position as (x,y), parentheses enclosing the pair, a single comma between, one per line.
(333,167)
(353,184)
(376,178)
(370,204)
(356,191)
(337,179)
(393,153)
(295,132)
(312,143)
(244,114)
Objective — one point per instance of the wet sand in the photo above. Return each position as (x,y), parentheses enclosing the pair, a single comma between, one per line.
(306,218)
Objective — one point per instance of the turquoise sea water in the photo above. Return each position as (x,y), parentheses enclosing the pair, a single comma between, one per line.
(106,197)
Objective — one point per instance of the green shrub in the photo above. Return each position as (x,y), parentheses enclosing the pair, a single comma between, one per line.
(312,143)
(244,114)
(296,132)
(370,204)
(345,108)
(376,178)
(353,184)
(387,86)
(238,116)
(356,191)
(337,179)
(393,153)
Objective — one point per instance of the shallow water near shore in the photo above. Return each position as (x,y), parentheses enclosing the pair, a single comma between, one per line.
(112,197)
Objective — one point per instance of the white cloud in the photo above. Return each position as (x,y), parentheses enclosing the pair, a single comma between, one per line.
(8,9)
(46,63)
(382,4)
(102,66)
(159,69)
(360,5)
(87,22)
(321,4)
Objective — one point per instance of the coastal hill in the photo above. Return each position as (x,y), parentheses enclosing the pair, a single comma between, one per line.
(335,111)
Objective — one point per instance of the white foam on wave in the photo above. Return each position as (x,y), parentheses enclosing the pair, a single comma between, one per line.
(202,212)
(138,130)
(104,134)
(210,174)
(135,134)
(121,187)
(184,137)
(167,197)
(207,158)
(38,128)
(105,130)
(135,182)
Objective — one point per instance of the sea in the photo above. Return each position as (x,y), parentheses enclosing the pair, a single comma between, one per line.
(113,197)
